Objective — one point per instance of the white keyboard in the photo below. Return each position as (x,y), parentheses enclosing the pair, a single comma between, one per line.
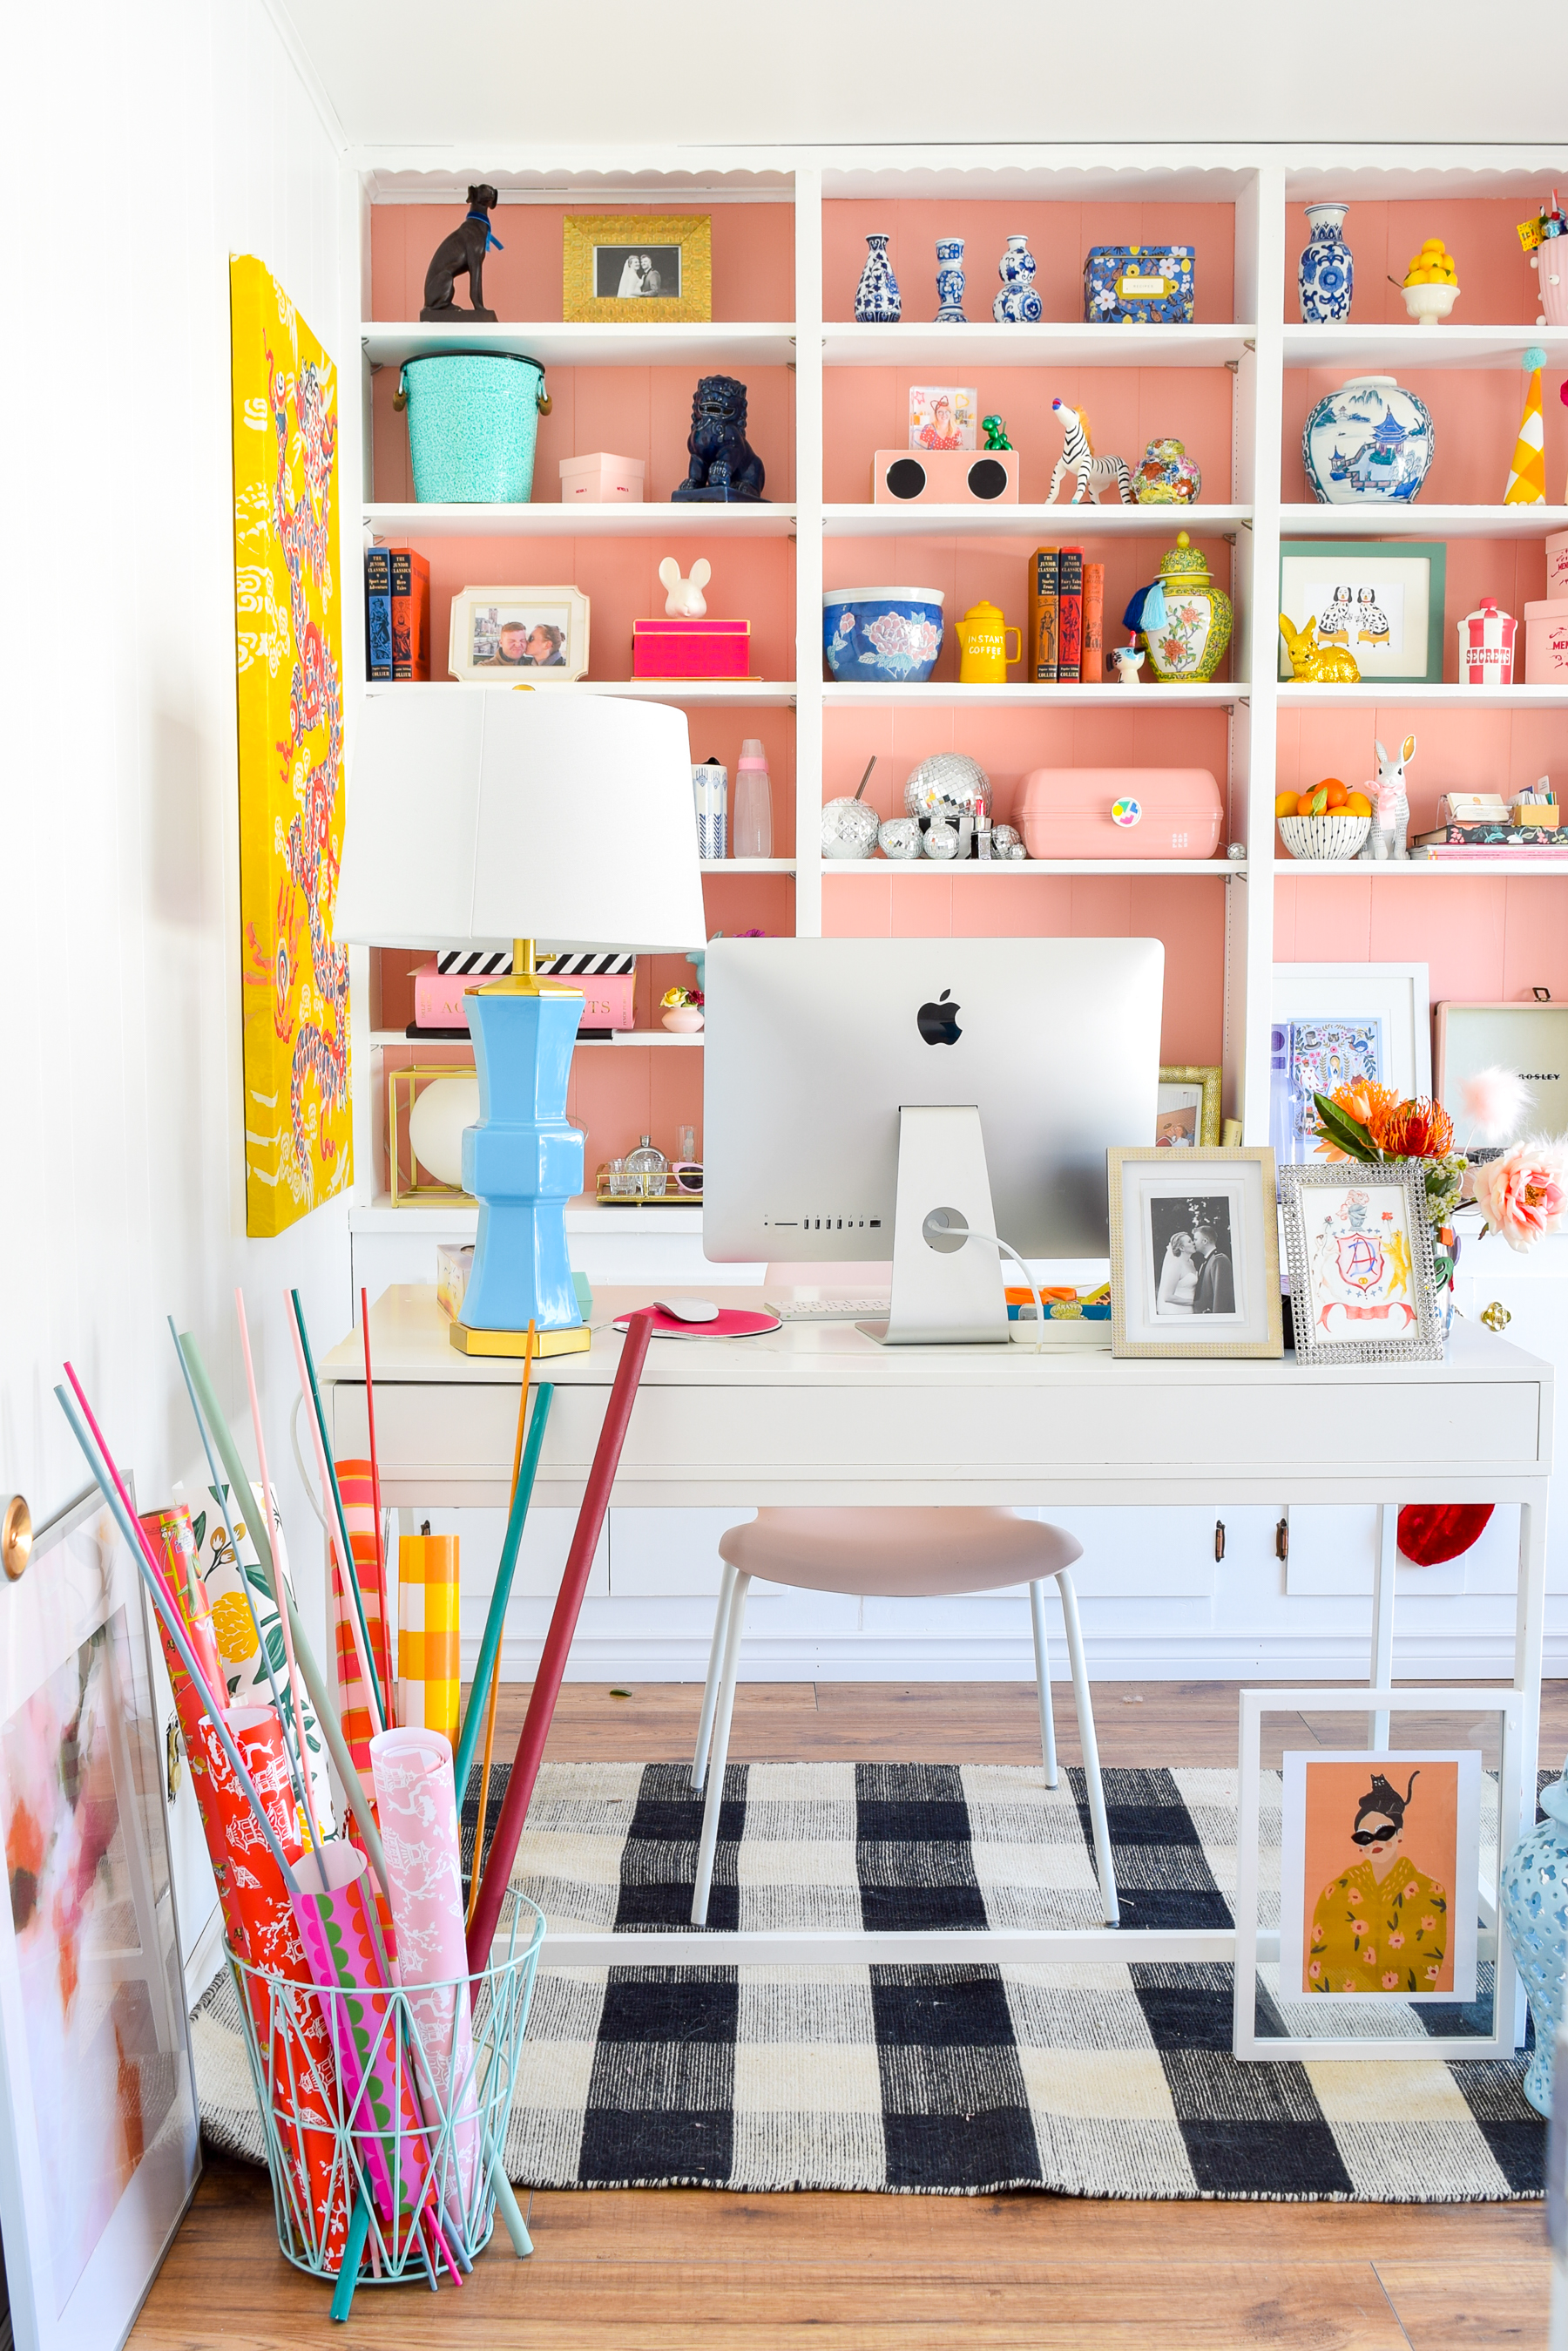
(832,1309)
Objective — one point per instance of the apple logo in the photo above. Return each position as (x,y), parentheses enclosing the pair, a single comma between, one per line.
(938,1022)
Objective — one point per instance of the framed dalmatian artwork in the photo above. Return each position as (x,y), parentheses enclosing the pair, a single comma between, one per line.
(1382,602)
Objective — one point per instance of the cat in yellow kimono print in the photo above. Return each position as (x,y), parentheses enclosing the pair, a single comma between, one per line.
(1384,1925)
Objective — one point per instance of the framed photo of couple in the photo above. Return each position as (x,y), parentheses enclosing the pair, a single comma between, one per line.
(635,266)
(1195,1260)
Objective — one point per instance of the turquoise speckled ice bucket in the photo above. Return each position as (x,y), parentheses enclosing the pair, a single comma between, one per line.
(474,418)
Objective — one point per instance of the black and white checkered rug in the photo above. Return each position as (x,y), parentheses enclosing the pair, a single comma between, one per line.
(1109,2080)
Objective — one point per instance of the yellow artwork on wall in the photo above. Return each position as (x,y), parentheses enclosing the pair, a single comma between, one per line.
(288,644)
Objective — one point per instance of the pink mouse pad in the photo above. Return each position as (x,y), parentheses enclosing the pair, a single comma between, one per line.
(730,1323)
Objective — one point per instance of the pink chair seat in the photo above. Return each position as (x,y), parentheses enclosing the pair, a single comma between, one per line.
(910,1554)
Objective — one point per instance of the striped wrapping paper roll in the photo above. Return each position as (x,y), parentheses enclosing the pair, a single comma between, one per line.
(428,1662)
(354,1707)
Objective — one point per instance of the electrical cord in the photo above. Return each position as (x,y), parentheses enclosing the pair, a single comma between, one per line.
(937,1222)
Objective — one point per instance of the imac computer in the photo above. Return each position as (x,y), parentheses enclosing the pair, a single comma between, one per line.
(888,1099)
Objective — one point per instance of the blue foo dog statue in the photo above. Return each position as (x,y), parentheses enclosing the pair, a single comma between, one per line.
(723,465)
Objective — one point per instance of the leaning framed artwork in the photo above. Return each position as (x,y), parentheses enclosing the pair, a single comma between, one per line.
(1331,1023)
(1195,1263)
(1381,602)
(98,2134)
(1358,1247)
(629,267)
(512,636)
(288,646)
(1370,1860)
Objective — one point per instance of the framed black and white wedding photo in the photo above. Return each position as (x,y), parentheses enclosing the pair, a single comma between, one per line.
(1195,1260)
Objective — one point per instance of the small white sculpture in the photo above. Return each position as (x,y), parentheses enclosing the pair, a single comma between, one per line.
(1095,474)
(1387,840)
(685,600)
(1129,660)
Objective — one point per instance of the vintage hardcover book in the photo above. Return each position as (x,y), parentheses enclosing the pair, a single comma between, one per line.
(378,612)
(1092,667)
(1070,615)
(410,613)
(1044,614)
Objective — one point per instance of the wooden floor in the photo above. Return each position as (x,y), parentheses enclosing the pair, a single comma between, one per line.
(662,2271)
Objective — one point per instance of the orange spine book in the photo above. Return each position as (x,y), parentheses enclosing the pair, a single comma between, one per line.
(1091,668)
(1044,613)
(410,614)
(1070,616)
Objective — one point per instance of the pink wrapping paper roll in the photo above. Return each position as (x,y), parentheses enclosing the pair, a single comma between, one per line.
(417,1807)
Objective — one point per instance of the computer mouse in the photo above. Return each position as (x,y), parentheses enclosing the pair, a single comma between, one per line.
(688,1310)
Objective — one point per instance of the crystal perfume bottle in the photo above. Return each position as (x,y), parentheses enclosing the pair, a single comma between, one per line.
(650,1167)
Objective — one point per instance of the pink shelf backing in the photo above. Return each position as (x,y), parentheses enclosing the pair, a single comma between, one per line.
(1484,941)
(1480,750)
(1060,236)
(1497,285)
(1475,419)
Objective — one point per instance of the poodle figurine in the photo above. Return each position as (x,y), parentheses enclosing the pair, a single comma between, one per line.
(685,599)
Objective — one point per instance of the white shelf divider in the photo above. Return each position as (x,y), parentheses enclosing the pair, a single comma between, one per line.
(639,343)
(1029,524)
(584,518)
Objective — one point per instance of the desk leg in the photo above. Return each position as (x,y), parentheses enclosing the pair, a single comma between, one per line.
(1528,1638)
(1383,1616)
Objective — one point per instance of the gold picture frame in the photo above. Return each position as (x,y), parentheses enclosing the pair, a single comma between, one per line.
(599,246)
(1185,1075)
(1155,1196)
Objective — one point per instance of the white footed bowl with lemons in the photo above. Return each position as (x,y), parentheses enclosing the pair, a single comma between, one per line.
(1431,285)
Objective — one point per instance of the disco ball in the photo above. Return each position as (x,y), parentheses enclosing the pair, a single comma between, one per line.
(948,784)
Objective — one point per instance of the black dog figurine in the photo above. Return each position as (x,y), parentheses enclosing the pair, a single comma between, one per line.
(723,466)
(462,255)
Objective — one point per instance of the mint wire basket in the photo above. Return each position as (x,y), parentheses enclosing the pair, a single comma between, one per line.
(334,2152)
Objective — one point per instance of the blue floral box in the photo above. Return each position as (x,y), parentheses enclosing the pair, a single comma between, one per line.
(1142,285)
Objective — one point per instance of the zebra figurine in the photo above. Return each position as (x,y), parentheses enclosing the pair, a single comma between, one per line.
(1095,474)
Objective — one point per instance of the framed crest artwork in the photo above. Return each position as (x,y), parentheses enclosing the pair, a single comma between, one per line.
(629,267)
(1359,1251)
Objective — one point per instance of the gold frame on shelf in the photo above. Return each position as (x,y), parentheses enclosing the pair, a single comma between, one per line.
(692,232)
(1265,1264)
(1210,1076)
(413,1193)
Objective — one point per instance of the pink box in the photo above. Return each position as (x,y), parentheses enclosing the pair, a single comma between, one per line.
(1557,565)
(438,986)
(705,648)
(1120,812)
(1546,643)
(602,479)
(607,979)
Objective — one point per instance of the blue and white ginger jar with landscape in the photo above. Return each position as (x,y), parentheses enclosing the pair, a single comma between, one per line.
(1017,305)
(1535,1909)
(1368,443)
(878,301)
(1325,274)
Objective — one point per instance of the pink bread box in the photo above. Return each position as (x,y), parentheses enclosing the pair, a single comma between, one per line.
(1546,643)
(603,479)
(1120,812)
(705,648)
(1557,565)
(607,979)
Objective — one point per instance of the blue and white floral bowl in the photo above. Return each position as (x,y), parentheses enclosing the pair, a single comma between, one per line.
(882,636)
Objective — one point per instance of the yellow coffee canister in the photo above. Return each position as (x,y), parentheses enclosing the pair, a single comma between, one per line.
(983,635)
(1185,619)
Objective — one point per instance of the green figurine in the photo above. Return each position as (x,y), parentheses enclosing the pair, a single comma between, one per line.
(995,430)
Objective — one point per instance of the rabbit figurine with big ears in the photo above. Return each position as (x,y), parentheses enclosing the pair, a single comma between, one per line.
(685,599)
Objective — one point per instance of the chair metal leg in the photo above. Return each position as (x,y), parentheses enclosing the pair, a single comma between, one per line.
(1042,1679)
(1098,1825)
(711,1688)
(720,1751)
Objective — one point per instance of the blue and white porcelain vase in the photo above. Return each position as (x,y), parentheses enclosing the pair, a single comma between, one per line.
(1536,1910)
(1369,443)
(1017,305)
(949,282)
(1325,274)
(878,302)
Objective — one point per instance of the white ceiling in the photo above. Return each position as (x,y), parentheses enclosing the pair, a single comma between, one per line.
(405,74)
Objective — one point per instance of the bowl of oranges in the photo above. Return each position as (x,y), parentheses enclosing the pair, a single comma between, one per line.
(1328,823)
(1431,283)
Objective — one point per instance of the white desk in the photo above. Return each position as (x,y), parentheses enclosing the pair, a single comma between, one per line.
(816,1413)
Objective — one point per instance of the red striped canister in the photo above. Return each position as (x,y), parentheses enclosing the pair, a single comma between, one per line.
(1486,645)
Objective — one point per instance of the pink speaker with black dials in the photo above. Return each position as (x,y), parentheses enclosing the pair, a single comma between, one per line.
(954,477)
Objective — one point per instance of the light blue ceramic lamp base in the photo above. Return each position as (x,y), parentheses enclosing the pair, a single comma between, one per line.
(523,1163)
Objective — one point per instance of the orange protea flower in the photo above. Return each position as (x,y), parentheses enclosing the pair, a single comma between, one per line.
(1412,1130)
(1365,1100)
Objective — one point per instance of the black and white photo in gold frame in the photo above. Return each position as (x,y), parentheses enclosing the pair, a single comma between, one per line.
(1195,1263)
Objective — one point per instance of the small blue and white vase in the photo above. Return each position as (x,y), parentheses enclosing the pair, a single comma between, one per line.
(949,282)
(1325,274)
(878,301)
(1368,443)
(1535,1911)
(1017,305)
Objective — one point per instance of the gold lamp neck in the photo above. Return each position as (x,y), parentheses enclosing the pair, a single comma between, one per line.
(524,979)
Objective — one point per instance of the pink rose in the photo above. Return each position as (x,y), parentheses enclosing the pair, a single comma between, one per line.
(1391,1981)
(1395,1942)
(1525,1193)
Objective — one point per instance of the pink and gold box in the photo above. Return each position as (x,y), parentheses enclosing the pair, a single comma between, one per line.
(607,977)
(1546,642)
(602,479)
(704,648)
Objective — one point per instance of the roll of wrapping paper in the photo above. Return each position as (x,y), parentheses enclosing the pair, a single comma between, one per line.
(354,1711)
(417,1806)
(174,1542)
(379,2103)
(428,1661)
(236,1624)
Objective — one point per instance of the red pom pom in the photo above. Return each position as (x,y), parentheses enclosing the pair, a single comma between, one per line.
(1430,1532)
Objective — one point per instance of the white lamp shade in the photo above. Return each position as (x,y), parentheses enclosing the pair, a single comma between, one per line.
(478,816)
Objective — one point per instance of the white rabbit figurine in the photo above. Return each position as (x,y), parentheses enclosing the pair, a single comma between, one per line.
(1387,841)
(685,600)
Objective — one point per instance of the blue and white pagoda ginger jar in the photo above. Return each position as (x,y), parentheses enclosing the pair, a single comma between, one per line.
(878,301)
(1536,1910)
(1368,443)
(1325,274)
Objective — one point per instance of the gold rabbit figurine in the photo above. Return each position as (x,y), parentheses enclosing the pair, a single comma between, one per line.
(1315,665)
